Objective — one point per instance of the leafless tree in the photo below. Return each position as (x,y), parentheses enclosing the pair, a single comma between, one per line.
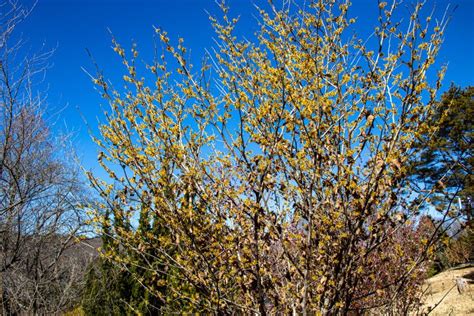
(39,190)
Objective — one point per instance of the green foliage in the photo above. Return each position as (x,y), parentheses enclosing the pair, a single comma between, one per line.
(445,161)
(113,289)
(443,166)
(104,290)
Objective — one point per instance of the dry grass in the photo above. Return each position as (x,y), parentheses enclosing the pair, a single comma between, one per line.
(443,295)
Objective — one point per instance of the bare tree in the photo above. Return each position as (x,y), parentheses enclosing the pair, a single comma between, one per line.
(39,190)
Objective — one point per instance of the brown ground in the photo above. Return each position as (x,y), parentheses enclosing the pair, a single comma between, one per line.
(444,285)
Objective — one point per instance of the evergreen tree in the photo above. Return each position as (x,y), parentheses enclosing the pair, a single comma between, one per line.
(112,289)
(445,161)
(107,288)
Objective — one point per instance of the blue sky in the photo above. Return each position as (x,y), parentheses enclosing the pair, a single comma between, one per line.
(72,26)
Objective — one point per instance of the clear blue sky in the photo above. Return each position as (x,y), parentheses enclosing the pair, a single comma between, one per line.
(72,26)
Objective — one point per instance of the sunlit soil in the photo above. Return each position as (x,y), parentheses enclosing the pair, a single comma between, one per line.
(443,295)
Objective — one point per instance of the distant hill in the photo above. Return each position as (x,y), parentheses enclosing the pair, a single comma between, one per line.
(88,248)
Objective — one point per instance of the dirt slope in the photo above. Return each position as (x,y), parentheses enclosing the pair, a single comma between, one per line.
(442,289)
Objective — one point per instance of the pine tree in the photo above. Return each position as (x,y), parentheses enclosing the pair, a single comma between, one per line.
(445,161)
(107,288)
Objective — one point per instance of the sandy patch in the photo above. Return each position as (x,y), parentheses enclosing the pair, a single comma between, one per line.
(442,289)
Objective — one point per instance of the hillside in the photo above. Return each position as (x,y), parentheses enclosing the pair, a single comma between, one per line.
(442,289)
